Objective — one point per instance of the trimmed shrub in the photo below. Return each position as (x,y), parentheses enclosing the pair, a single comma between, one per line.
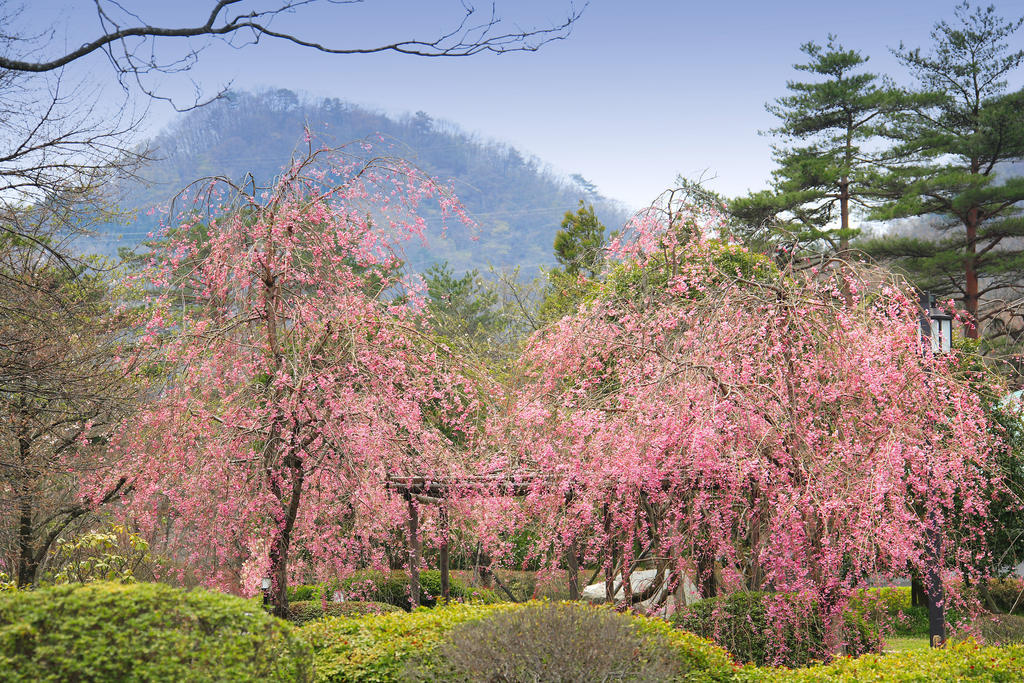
(566,642)
(395,647)
(1006,594)
(393,588)
(310,610)
(303,593)
(955,662)
(773,629)
(145,631)
(890,609)
(994,629)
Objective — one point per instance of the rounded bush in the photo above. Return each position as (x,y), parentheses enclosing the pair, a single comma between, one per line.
(145,631)
(309,610)
(567,642)
(404,646)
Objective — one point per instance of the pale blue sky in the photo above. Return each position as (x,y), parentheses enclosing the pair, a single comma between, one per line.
(639,92)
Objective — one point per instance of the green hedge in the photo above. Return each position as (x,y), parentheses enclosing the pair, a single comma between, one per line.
(890,608)
(310,610)
(1005,594)
(393,589)
(145,631)
(994,629)
(393,646)
(742,624)
(956,662)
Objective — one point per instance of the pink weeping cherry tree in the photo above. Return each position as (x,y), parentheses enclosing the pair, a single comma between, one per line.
(296,372)
(751,428)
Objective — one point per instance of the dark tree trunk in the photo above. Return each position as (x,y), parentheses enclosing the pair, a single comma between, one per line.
(609,567)
(936,599)
(706,576)
(971,295)
(28,563)
(917,596)
(844,216)
(282,539)
(573,566)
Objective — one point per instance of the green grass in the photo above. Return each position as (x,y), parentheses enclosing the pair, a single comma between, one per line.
(905,644)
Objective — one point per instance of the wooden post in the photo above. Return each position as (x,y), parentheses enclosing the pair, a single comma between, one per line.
(414,555)
(443,560)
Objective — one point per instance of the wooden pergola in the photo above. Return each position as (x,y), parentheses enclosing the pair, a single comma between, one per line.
(434,491)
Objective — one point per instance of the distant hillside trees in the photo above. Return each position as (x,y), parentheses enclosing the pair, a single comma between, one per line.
(516,202)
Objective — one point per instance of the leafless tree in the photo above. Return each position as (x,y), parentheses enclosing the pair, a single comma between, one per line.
(132,45)
(65,379)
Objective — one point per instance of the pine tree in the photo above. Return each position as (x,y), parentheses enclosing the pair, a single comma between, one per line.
(949,162)
(579,251)
(826,164)
(579,244)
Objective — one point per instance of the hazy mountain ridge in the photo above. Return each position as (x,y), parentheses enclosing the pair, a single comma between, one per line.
(517,202)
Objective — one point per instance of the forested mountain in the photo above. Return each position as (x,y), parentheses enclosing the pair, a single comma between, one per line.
(516,202)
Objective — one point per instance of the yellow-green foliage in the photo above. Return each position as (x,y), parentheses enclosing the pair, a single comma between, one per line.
(724,261)
(889,608)
(384,648)
(110,554)
(956,662)
(310,610)
(144,632)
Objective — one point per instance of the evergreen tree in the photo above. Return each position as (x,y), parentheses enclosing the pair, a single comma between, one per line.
(948,162)
(579,251)
(461,306)
(825,165)
(579,245)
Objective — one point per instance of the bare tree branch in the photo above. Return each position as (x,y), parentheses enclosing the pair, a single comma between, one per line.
(228,19)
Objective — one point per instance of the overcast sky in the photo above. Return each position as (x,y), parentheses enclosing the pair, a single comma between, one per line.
(640,91)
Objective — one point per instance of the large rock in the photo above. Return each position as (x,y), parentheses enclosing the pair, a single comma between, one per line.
(640,580)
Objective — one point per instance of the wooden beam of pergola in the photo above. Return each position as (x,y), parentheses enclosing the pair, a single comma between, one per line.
(444,487)
(433,491)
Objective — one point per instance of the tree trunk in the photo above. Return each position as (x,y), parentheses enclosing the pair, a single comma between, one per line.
(609,567)
(706,576)
(27,561)
(933,576)
(917,596)
(844,216)
(27,565)
(282,539)
(573,566)
(627,582)
(971,273)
